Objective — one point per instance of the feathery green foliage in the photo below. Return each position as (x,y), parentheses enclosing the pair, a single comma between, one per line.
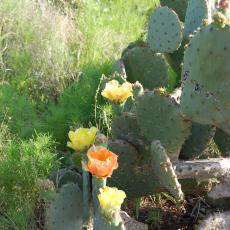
(22,164)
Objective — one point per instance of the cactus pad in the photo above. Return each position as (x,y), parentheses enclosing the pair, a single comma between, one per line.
(65,176)
(222,140)
(119,67)
(200,136)
(205,77)
(131,45)
(135,175)
(179,6)
(197,11)
(164,170)
(175,59)
(165,30)
(147,67)
(65,212)
(159,118)
(125,127)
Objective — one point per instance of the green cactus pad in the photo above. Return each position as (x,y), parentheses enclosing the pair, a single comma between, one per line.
(179,6)
(135,175)
(159,118)
(164,31)
(164,170)
(197,11)
(65,176)
(222,141)
(200,137)
(101,222)
(205,77)
(65,212)
(147,67)
(118,67)
(125,127)
(175,59)
(131,45)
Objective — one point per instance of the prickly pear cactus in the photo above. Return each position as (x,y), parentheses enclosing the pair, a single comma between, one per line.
(119,67)
(65,212)
(200,137)
(175,60)
(179,6)
(222,141)
(149,68)
(164,170)
(159,118)
(125,127)
(197,11)
(164,31)
(205,77)
(65,176)
(131,45)
(135,174)
(100,222)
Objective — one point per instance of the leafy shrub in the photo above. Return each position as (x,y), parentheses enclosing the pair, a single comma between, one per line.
(16,111)
(22,163)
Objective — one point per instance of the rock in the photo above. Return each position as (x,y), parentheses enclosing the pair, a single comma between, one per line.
(217,221)
(131,223)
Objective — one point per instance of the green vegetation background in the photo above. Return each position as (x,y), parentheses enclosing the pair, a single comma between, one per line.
(52,56)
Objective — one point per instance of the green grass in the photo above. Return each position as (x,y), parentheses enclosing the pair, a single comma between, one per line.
(36,48)
(108,26)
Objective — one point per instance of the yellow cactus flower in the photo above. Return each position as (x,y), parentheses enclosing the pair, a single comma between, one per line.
(116,92)
(82,138)
(111,199)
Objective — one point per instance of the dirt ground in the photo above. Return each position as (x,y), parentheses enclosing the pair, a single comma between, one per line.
(166,215)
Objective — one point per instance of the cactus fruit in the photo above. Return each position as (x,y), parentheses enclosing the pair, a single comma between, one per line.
(163,168)
(197,11)
(149,68)
(164,31)
(65,211)
(200,137)
(179,6)
(205,77)
(159,118)
(222,141)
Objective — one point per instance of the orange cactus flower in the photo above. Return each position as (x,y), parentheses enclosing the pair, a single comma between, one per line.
(101,162)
